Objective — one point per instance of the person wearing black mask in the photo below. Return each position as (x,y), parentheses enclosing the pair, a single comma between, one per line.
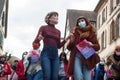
(113,64)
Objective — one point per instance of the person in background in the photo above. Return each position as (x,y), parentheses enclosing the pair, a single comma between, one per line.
(52,41)
(14,65)
(83,35)
(34,71)
(63,67)
(13,76)
(5,68)
(99,71)
(93,74)
(20,68)
(113,65)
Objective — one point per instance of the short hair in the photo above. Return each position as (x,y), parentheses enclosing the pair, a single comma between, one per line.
(48,16)
(15,60)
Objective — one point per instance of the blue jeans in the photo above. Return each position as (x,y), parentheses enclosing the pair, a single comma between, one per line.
(63,78)
(50,62)
(37,76)
(80,70)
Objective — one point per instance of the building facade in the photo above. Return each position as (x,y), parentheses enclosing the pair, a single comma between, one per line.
(3,22)
(108,26)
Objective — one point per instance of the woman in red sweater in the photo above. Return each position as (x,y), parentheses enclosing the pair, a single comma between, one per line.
(51,39)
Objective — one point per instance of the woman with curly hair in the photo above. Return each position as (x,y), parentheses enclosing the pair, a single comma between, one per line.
(83,36)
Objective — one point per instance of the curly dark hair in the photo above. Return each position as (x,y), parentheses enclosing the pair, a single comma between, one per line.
(65,60)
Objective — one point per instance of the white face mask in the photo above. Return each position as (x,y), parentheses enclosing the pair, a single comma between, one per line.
(117,53)
(102,62)
(82,24)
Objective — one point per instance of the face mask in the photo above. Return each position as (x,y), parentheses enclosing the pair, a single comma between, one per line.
(82,24)
(24,56)
(102,62)
(117,53)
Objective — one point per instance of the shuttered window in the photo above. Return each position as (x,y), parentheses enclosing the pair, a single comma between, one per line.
(103,39)
(112,32)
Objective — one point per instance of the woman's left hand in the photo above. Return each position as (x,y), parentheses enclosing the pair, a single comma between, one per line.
(69,37)
(90,43)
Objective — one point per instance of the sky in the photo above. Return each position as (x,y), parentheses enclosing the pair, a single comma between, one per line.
(26,16)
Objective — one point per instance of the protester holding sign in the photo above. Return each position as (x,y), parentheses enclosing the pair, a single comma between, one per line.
(83,38)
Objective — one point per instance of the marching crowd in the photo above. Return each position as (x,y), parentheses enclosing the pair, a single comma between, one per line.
(83,64)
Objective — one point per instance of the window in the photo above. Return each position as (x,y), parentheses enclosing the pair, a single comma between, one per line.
(1,40)
(3,19)
(112,32)
(111,6)
(103,39)
(118,1)
(118,26)
(106,13)
(103,16)
(99,21)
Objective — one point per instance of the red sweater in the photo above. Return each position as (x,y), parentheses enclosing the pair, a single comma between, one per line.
(51,36)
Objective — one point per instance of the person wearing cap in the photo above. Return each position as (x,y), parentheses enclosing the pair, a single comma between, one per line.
(78,65)
(113,65)
(52,41)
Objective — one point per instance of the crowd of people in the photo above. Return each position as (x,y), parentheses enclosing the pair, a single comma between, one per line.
(83,64)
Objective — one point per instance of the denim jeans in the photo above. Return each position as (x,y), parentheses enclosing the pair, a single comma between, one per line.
(63,78)
(50,62)
(37,76)
(80,70)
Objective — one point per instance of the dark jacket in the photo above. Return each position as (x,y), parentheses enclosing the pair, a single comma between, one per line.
(111,61)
